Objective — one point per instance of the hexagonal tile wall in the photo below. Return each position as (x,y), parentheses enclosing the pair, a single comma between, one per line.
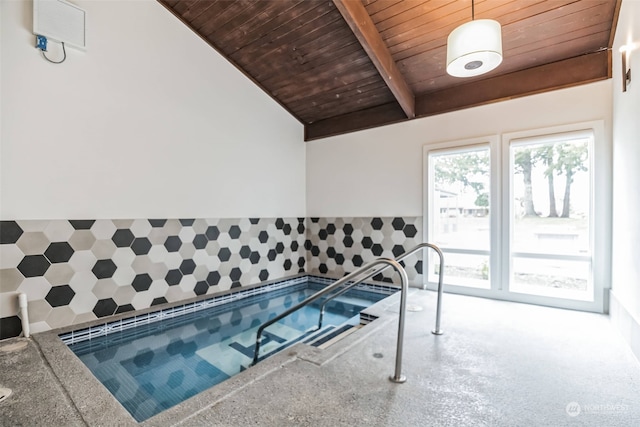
(338,246)
(88,269)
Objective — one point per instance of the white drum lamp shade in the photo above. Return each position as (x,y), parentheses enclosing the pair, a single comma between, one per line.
(474,48)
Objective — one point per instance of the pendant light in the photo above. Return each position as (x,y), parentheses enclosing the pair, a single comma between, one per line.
(474,48)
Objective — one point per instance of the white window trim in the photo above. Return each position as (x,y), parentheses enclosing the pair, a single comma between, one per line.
(500,208)
(601,210)
(492,142)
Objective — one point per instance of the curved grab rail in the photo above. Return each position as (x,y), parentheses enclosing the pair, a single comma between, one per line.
(397,376)
(437,330)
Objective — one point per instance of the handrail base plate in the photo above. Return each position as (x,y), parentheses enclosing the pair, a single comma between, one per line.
(398,380)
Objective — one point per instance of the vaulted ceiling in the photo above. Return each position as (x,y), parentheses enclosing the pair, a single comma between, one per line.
(344,65)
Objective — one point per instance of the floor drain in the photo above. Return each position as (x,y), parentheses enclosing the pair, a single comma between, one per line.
(14,346)
(414,308)
(4,393)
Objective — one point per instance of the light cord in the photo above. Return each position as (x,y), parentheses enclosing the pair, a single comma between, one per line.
(57,62)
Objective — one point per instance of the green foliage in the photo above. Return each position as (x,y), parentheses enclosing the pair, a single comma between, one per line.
(571,159)
(561,158)
(482,200)
(471,169)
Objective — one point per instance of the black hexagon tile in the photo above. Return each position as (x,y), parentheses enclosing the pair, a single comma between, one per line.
(60,295)
(173,277)
(234,232)
(173,243)
(59,252)
(141,246)
(104,268)
(82,224)
(142,282)
(213,278)
(34,265)
(123,238)
(158,301)
(187,266)
(212,233)
(10,232)
(105,307)
(201,288)
(200,241)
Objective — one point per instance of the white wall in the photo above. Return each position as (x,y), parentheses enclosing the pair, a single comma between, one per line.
(626,176)
(378,172)
(149,122)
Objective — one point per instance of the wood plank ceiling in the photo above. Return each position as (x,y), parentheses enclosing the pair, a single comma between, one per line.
(345,65)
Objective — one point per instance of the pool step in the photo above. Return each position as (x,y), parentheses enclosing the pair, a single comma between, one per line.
(309,335)
(321,338)
(335,335)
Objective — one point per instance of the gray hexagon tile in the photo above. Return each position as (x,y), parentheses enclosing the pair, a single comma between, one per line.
(140,227)
(59,274)
(103,229)
(124,295)
(9,304)
(83,261)
(60,316)
(10,256)
(59,231)
(82,240)
(39,310)
(104,248)
(33,242)
(83,302)
(82,282)
(124,276)
(34,287)
(10,278)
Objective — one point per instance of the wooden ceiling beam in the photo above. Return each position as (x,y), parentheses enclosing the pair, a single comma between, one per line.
(360,22)
(385,114)
(545,78)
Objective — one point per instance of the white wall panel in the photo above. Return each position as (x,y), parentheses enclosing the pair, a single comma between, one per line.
(149,122)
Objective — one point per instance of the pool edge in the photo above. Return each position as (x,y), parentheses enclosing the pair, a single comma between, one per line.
(97,406)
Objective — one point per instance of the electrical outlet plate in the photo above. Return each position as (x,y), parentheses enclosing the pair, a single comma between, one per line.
(41,43)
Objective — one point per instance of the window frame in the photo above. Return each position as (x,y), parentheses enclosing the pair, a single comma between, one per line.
(492,142)
(500,211)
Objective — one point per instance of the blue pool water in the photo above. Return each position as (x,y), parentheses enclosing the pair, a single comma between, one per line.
(153,367)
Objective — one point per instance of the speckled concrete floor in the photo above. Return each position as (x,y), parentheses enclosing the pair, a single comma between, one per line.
(498,364)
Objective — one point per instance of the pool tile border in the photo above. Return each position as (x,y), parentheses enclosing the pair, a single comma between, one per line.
(86,334)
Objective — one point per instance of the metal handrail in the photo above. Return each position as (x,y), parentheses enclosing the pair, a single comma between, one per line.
(437,330)
(397,376)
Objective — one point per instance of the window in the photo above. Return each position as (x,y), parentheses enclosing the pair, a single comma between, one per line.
(550,204)
(523,217)
(460,215)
